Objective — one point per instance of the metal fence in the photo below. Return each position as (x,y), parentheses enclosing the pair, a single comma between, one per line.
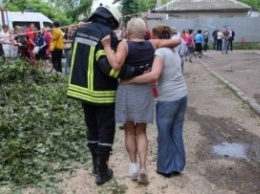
(246,29)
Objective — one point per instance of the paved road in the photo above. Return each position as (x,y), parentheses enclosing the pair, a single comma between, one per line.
(240,70)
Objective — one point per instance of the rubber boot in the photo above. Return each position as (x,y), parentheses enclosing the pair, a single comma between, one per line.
(104,173)
(94,160)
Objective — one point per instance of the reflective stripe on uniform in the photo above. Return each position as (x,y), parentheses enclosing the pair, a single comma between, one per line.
(85,41)
(90,99)
(90,71)
(91,96)
(106,144)
(99,54)
(91,92)
(114,73)
(73,58)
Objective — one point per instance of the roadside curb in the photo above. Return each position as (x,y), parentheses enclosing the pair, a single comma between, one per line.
(251,102)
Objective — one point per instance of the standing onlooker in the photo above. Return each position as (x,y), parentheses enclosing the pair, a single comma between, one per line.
(219,39)
(199,39)
(123,33)
(56,47)
(21,41)
(67,38)
(206,38)
(170,108)
(190,44)
(30,32)
(183,35)
(225,39)
(215,39)
(41,43)
(14,49)
(5,40)
(181,49)
(47,37)
(231,38)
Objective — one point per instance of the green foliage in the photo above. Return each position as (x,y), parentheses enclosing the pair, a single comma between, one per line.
(75,9)
(53,13)
(129,7)
(255,4)
(82,10)
(42,132)
(144,6)
(133,7)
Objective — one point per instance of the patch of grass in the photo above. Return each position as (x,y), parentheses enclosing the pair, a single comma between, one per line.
(246,46)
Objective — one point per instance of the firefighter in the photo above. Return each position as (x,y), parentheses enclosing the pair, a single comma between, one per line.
(89,84)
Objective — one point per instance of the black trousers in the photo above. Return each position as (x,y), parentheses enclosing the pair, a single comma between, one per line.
(206,45)
(230,45)
(100,121)
(215,44)
(56,56)
(219,44)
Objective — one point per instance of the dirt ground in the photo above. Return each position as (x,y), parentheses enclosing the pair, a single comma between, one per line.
(221,134)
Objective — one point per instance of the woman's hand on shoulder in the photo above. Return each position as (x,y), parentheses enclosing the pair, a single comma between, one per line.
(106,41)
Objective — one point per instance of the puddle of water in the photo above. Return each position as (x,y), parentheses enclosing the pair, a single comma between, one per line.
(234,150)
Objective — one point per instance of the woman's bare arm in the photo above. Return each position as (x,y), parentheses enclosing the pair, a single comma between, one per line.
(150,76)
(171,43)
(116,59)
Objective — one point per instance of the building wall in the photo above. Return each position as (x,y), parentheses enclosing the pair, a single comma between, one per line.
(209,15)
(247,29)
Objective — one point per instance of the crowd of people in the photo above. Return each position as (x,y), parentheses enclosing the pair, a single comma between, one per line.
(21,42)
(223,39)
(49,43)
(197,42)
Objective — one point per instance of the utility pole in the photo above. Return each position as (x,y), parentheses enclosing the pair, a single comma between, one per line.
(3,14)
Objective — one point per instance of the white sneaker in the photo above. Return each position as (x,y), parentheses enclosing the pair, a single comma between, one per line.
(133,171)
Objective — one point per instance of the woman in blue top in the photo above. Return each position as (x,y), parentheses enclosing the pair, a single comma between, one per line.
(199,40)
(134,102)
(41,43)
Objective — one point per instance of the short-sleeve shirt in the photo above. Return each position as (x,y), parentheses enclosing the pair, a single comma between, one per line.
(171,85)
(23,39)
(199,38)
(5,37)
(39,41)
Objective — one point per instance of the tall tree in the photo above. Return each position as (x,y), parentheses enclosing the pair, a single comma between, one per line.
(129,8)
(255,4)
(38,6)
(137,6)
(64,11)
(81,10)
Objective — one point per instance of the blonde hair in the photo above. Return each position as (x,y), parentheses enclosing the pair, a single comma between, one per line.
(136,28)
